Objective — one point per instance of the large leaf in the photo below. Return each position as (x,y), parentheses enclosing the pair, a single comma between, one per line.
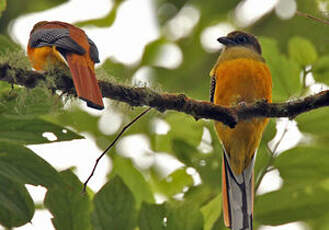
(212,211)
(16,205)
(3,5)
(30,131)
(292,203)
(152,217)
(70,208)
(114,207)
(263,155)
(208,165)
(182,127)
(174,183)
(314,122)
(303,164)
(133,179)
(320,69)
(24,166)
(285,72)
(302,51)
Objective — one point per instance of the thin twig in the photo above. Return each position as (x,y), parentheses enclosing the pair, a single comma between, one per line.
(272,157)
(312,17)
(112,144)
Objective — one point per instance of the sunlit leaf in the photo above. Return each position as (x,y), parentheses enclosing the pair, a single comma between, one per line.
(285,72)
(304,164)
(24,166)
(314,122)
(182,126)
(16,205)
(117,70)
(3,5)
(114,207)
(30,131)
(70,208)
(212,211)
(302,51)
(134,180)
(263,154)
(174,183)
(320,69)
(292,203)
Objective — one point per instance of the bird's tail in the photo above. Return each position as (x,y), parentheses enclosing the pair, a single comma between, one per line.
(238,196)
(85,81)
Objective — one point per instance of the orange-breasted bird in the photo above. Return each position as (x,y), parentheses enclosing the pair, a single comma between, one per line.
(60,42)
(240,76)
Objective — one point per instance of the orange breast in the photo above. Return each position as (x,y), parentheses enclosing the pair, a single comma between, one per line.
(41,57)
(242,80)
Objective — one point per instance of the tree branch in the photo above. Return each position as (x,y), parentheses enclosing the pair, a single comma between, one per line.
(143,96)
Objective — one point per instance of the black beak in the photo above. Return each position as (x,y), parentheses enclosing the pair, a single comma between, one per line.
(226,41)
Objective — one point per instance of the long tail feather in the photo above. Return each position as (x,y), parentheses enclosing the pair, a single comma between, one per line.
(85,81)
(237,193)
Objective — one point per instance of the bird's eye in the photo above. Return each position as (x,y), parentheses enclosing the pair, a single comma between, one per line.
(242,39)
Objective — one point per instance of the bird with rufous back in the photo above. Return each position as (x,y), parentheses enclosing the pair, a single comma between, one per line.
(240,76)
(57,42)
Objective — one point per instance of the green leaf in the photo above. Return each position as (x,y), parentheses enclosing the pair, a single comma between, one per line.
(285,72)
(302,51)
(134,180)
(16,205)
(183,215)
(3,5)
(151,217)
(303,164)
(212,211)
(208,165)
(114,207)
(70,208)
(24,166)
(292,203)
(117,69)
(5,43)
(320,69)
(78,119)
(314,122)
(173,183)
(30,131)
(263,155)
(182,127)
(152,51)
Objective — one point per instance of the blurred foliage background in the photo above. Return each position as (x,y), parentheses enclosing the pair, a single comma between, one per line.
(145,196)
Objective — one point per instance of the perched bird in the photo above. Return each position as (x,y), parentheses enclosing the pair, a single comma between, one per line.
(60,42)
(240,76)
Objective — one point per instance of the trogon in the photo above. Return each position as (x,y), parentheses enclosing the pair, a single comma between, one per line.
(240,76)
(59,42)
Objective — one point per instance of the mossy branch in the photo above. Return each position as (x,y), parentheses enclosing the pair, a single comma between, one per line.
(143,96)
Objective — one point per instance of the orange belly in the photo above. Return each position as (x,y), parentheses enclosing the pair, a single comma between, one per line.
(42,57)
(242,80)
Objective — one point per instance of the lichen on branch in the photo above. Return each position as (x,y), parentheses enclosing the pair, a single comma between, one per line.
(143,96)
